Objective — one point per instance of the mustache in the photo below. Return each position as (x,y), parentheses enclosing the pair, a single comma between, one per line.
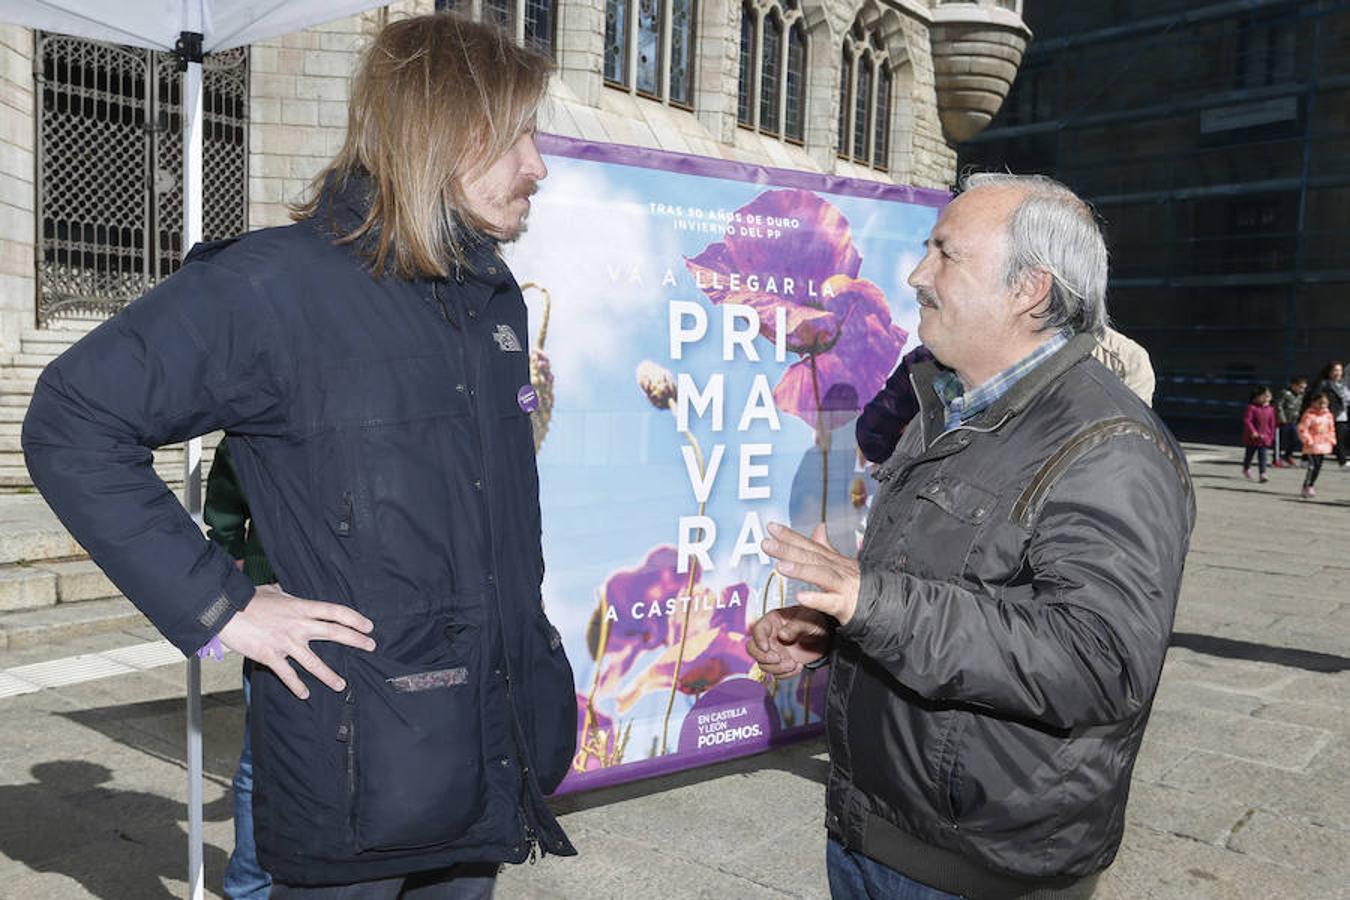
(926,297)
(526,190)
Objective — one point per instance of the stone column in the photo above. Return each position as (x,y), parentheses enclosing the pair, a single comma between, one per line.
(581,48)
(18,207)
(932,159)
(718,74)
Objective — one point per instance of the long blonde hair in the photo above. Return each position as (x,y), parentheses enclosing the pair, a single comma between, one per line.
(437,99)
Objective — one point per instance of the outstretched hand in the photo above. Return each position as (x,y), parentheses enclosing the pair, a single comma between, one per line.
(815,562)
(276,627)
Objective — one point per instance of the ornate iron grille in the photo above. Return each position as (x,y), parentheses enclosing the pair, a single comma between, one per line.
(109,169)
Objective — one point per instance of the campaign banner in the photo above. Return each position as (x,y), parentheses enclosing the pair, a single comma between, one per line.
(705,335)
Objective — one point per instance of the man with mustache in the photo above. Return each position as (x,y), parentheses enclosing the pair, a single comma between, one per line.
(411,703)
(996,646)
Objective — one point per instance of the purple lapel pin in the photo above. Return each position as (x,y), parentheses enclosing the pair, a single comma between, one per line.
(527,398)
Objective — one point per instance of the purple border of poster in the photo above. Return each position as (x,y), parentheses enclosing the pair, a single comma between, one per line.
(690,164)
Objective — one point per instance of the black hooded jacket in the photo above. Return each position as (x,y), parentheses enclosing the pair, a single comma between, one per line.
(376,429)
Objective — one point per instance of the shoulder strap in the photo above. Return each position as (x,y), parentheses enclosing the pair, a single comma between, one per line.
(1028,505)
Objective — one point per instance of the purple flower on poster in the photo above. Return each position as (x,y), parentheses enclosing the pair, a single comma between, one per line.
(839,324)
(710,650)
(650,584)
(839,380)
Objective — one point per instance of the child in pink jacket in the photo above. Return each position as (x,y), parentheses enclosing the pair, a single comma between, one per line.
(1258,432)
(1317,431)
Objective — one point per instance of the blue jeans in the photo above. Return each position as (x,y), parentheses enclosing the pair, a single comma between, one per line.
(856,877)
(244,878)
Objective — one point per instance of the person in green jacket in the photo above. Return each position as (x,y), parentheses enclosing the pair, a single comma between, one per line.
(225,510)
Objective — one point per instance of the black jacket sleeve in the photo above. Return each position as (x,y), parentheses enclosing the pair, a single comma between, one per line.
(190,357)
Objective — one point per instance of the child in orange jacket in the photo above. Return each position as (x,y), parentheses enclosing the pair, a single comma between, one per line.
(1317,431)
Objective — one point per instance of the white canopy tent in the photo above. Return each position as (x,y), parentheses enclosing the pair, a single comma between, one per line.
(187,28)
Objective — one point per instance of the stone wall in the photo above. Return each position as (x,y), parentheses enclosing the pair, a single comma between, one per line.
(18,279)
(933,160)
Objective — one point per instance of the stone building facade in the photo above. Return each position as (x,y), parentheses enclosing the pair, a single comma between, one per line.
(946,65)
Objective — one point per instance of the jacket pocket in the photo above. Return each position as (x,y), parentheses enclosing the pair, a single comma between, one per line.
(414,748)
(949,521)
(553,709)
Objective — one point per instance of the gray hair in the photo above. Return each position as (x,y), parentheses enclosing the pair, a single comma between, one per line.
(1053,229)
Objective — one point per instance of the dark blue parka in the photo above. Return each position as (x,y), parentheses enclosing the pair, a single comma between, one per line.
(376,429)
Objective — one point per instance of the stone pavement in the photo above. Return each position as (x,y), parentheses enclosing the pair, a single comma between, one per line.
(1242,791)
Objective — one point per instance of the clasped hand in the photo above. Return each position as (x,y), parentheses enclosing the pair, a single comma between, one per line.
(786,639)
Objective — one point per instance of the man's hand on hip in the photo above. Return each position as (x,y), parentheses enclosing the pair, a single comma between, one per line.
(276,625)
(814,561)
(786,639)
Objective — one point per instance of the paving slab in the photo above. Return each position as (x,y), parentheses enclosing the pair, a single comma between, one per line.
(1313,715)
(647,871)
(1158,866)
(1312,796)
(1315,848)
(1178,693)
(1277,744)
(1157,758)
(1330,689)
(1174,811)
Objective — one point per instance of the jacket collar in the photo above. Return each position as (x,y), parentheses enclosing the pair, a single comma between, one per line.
(1018,397)
(343,206)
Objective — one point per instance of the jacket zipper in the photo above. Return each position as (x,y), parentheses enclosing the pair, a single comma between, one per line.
(347,735)
(517,732)
(344,523)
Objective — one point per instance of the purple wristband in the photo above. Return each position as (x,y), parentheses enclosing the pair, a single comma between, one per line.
(213,648)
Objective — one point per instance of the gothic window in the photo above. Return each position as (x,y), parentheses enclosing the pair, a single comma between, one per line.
(771,95)
(531,21)
(110,168)
(865,99)
(649,48)
(616,40)
(771,54)
(744,114)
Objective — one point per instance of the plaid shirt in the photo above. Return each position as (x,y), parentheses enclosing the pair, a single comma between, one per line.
(962,405)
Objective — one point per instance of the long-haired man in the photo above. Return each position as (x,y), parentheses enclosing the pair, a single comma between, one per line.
(411,704)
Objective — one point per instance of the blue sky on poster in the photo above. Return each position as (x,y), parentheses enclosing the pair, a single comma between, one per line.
(612,476)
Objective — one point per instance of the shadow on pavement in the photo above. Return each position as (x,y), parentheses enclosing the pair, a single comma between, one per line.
(157,728)
(117,844)
(1292,657)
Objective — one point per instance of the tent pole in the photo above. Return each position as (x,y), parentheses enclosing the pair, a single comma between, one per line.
(190,55)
